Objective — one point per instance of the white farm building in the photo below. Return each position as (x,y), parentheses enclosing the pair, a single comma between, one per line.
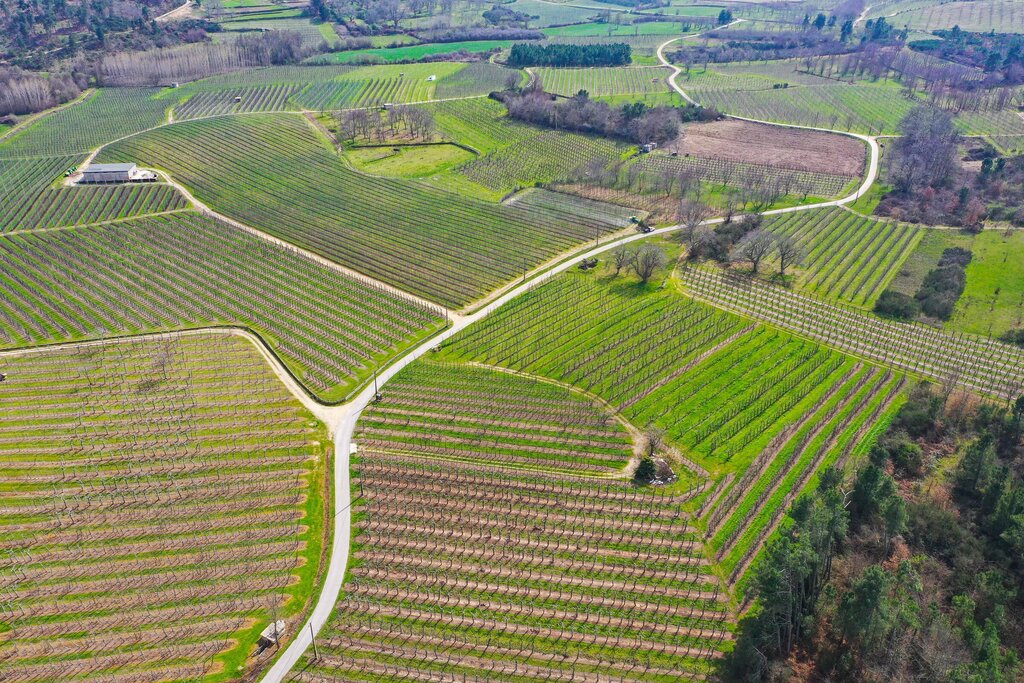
(116,173)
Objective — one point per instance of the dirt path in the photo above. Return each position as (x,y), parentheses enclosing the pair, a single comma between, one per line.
(180,12)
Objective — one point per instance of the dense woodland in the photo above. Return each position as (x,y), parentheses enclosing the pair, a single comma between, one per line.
(601,54)
(911,572)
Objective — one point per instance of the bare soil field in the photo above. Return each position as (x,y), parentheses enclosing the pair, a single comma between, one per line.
(755,143)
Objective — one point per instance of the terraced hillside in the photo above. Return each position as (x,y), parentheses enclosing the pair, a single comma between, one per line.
(491,542)
(276,174)
(162,501)
(185,271)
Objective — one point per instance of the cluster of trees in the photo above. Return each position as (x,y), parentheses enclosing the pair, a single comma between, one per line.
(999,55)
(901,575)
(192,62)
(737,45)
(502,15)
(22,92)
(644,262)
(938,293)
(599,54)
(735,242)
(635,121)
(373,126)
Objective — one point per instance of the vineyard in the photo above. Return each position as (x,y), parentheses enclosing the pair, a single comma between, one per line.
(107,114)
(756,411)
(724,172)
(846,256)
(489,546)
(1003,16)
(755,91)
(251,99)
(276,174)
(571,205)
(602,82)
(30,201)
(161,503)
(186,271)
(546,156)
(973,363)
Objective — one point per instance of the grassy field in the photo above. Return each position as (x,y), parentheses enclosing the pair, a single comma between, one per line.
(410,161)
(925,256)
(993,301)
(846,256)
(186,271)
(489,525)
(279,175)
(411,52)
(157,532)
(32,197)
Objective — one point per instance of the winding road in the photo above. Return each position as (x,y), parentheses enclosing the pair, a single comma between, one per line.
(347,416)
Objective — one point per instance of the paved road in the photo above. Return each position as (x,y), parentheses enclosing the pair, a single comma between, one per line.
(349,414)
(872,166)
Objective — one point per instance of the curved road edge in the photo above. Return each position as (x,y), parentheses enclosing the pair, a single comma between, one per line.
(340,543)
(871,172)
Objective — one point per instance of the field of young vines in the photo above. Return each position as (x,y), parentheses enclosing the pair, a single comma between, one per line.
(604,81)
(187,271)
(277,174)
(162,501)
(846,256)
(32,200)
(971,362)
(491,542)
(104,115)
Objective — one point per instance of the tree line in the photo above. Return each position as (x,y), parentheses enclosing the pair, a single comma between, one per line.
(559,55)
(904,573)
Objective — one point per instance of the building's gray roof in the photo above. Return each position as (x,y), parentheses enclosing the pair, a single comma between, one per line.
(109,168)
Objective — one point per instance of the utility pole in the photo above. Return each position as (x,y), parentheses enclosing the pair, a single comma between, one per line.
(376,391)
(312,636)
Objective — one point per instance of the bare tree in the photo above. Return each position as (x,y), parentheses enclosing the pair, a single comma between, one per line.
(654,437)
(648,260)
(753,248)
(693,211)
(623,257)
(789,253)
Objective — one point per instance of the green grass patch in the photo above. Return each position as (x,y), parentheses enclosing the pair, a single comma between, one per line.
(993,301)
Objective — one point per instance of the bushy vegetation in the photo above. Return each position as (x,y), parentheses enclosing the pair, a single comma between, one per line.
(914,569)
(600,54)
(636,121)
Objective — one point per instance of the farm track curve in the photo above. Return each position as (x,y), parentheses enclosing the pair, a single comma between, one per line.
(341,420)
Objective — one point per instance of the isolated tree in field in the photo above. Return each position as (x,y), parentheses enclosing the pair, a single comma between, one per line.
(654,437)
(753,248)
(648,260)
(622,257)
(788,252)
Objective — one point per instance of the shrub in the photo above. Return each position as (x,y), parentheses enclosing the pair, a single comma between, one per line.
(646,471)
(1014,337)
(896,305)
